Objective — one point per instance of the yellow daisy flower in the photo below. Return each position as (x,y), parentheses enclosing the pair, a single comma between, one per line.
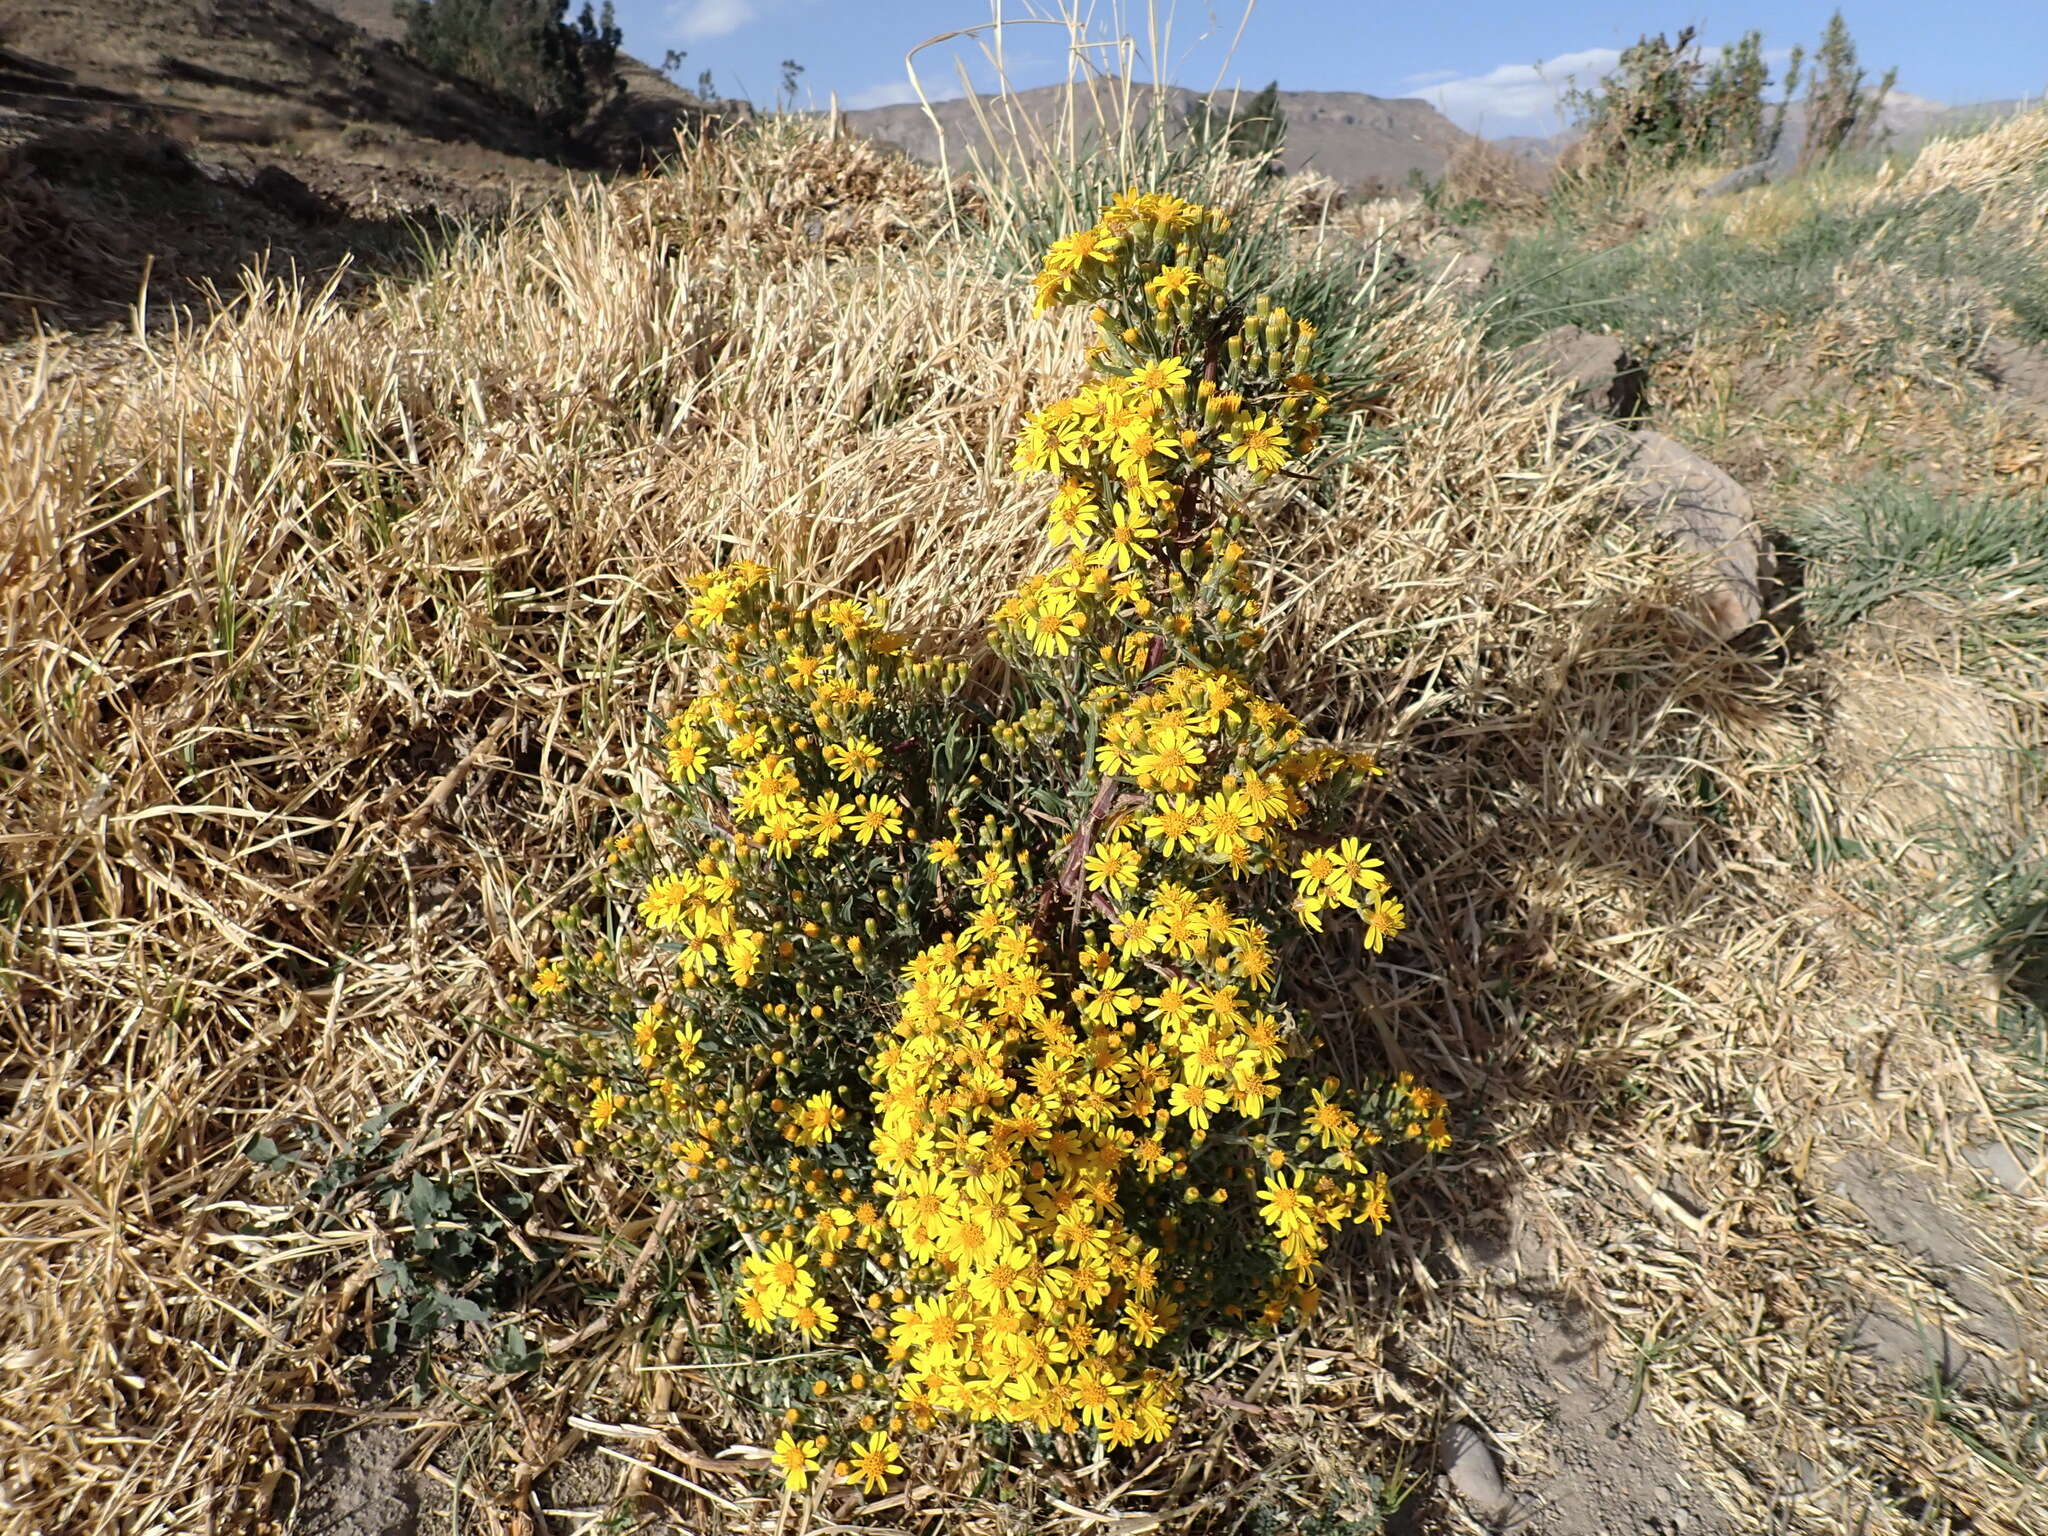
(873,1462)
(796,1460)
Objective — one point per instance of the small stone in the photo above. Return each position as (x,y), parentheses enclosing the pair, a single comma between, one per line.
(1602,374)
(1997,1162)
(1474,1475)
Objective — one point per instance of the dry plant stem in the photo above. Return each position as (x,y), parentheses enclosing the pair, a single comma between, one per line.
(1185,532)
(1068,881)
(628,1287)
(448,783)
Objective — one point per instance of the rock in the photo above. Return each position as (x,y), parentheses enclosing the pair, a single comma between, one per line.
(1602,375)
(2017,369)
(1997,1162)
(221,175)
(1666,486)
(1473,1474)
(1465,273)
(285,192)
(1706,513)
(1737,180)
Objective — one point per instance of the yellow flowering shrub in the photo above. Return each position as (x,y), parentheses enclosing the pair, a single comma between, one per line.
(965,1016)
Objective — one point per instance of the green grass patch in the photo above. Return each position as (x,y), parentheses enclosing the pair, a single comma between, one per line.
(1657,289)
(1674,281)
(1889,538)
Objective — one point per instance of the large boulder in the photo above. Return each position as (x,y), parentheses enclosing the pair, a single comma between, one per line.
(1701,509)
(1738,180)
(1602,374)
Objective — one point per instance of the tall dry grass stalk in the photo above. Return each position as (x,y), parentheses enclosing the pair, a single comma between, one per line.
(1046,162)
(333,633)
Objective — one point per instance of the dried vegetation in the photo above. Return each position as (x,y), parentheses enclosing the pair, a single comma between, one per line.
(332,631)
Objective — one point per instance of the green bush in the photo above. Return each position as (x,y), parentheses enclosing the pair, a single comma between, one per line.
(1841,112)
(1666,105)
(562,73)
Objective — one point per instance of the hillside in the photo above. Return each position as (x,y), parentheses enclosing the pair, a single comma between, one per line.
(654,103)
(1355,139)
(515,1019)
(186,139)
(247,71)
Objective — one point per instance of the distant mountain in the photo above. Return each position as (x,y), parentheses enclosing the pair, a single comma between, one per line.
(1913,120)
(1906,122)
(1355,139)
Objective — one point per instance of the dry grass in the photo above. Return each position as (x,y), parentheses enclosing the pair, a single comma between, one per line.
(332,635)
(45,251)
(1484,173)
(2005,158)
(1312,199)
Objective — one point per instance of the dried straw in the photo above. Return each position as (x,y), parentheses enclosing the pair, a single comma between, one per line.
(2009,154)
(332,634)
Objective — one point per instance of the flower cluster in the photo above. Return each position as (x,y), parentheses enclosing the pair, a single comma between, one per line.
(972,1019)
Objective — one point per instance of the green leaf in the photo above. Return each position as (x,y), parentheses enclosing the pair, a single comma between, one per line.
(510,1354)
(426,1204)
(459,1309)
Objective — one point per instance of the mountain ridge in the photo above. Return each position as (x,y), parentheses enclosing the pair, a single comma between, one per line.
(1354,138)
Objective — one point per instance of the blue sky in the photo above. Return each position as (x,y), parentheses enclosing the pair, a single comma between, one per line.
(1494,66)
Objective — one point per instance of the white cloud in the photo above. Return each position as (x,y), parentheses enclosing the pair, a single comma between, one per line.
(1517,98)
(897,93)
(1428,77)
(889,93)
(699,19)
